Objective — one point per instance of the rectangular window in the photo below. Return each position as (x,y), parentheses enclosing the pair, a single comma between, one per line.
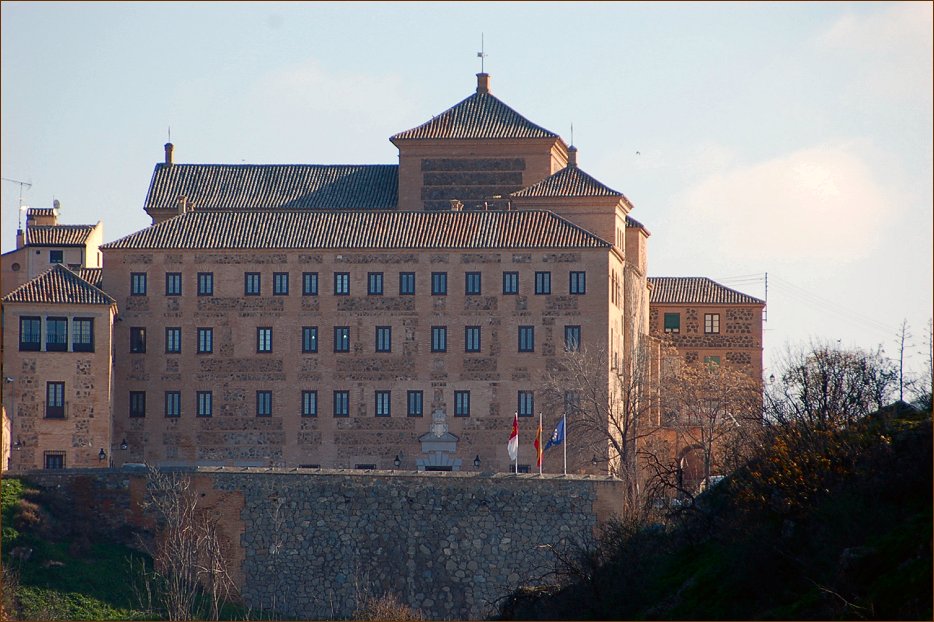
(264,403)
(526,339)
(383,404)
(309,403)
(384,339)
(56,334)
(205,403)
(712,361)
(572,402)
(205,283)
(471,339)
(572,338)
(374,283)
(137,339)
(54,459)
(56,256)
(137,283)
(406,283)
(173,340)
(30,334)
(264,339)
(137,404)
(342,403)
(712,323)
(439,283)
(205,340)
(526,406)
(341,283)
(578,283)
(280,283)
(309,339)
(472,284)
(252,284)
(462,403)
(542,283)
(173,283)
(309,283)
(439,338)
(173,404)
(342,339)
(510,283)
(672,322)
(414,400)
(82,334)
(54,400)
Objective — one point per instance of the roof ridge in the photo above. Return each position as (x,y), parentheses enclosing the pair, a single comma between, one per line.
(552,186)
(24,291)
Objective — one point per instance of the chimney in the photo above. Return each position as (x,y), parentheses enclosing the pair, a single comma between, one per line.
(483,83)
(20,239)
(182,202)
(168,153)
(572,156)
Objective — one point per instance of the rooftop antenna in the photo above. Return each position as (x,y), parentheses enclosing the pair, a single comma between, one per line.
(572,132)
(21,184)
(481,54)
(170,133)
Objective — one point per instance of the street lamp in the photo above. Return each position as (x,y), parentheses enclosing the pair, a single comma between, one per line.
(476,462)
(397,461)
(102,455)
(124,446)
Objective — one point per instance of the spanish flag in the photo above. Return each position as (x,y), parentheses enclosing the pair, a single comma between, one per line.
(538,444)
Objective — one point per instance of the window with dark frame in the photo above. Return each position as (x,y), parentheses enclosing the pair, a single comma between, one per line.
(264,339)
(383,405)
(137,404)
(471,339)
(309,283)
(384,338)
(173,404)
(526,404)
(414,401)
(341,283)
(712,323)
(462,403)
(56,334)
(577,283)
(205,283)
(54,400)
(264,403)
(472,284)
(137,339)
(542,283)
(439,338)
(53,460)
(309,339)
(173,283)
(439,283)
(374,283)
(342,339)
(510,283)
(82,334)
(56,256)
(137,283)
(280,283)
(309,403)
(30,334)
(672,322)
(205,403)
(342,403)
(173,339)
(252,284)
(572,338)
(526,339)
(205,340)
(572,402)
(406,283)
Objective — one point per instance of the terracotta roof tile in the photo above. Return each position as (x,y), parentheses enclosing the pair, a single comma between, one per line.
(283,186)
(568,182)
(58,285)
(94,276)
(479,116)
(633,223)
(57,235)
(361,230)
(695,290)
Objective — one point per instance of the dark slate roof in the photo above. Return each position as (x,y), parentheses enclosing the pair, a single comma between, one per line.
(57,235)
(361,230)
(279,186)
(479,116)
(568,182)
(94,276)
(58,285)
(695,290)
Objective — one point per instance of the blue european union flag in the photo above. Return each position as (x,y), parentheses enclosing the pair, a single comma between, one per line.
(557,437)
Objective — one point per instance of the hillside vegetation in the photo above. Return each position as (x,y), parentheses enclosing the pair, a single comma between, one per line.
(820,525)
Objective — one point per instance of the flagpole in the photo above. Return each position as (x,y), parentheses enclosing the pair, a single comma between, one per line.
(539,451)
(565,443)
(517,444)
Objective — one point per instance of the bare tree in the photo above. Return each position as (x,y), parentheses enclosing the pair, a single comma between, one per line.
(902,338)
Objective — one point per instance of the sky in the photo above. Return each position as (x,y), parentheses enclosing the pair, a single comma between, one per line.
(787,139)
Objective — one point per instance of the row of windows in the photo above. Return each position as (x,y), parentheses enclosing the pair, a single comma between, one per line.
(56,334)
(252,283)
(711,323)
(383,341)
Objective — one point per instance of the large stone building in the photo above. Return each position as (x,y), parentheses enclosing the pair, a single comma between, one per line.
(373,316)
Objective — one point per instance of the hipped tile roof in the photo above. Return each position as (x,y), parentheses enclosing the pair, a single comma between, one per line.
(57,235)
(279,186)
(568,182)
(695,290)
(58,285)
(361,230)
(479,116)
(94,276)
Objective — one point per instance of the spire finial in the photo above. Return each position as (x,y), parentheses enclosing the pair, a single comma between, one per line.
(481,54)
(572,132)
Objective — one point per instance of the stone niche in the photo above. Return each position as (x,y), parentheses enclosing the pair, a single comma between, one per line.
(439,446)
